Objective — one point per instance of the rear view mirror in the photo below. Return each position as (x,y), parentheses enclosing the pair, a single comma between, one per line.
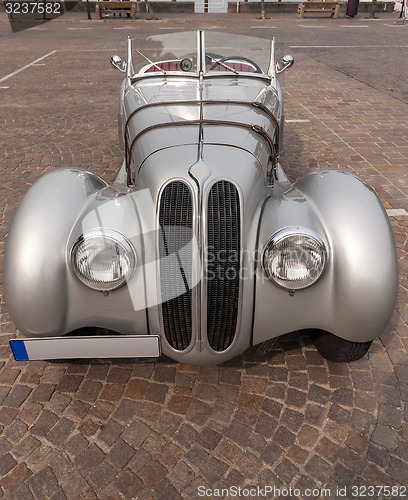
(117,63)
(287,62)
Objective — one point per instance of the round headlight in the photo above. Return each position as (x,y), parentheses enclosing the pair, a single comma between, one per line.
(294,258)
(103,259)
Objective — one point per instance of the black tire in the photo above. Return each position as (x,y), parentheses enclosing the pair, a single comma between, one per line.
(339,350)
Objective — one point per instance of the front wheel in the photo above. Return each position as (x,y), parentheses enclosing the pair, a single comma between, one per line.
(339,350)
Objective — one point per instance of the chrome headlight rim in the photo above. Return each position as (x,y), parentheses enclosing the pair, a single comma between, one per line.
(277,238)
(119,239)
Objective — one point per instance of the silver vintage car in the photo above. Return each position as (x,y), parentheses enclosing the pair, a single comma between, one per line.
(201,247)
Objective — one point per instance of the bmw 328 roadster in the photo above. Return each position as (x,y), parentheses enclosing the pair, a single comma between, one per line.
(201,247)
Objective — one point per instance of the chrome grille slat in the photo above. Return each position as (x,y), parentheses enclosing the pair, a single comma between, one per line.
(224,237)
(175,250)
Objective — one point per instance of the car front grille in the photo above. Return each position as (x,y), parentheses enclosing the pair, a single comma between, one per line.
(175,249)
(223,267)
(223,232)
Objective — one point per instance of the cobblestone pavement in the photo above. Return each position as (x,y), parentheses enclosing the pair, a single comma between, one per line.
(279,415)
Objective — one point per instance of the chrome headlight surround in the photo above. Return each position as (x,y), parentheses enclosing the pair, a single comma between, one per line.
(103,259)
(294,258)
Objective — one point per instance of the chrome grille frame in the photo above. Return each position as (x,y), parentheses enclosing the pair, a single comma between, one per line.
(223,231)
(175,217)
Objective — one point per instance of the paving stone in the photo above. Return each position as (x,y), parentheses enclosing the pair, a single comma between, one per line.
(124,412)
(112,392)
(21,492)
(319,394)
(78,410)
(328,450)
(165,374)
(135,434)
(318,469)
(170,455)
(386,437)
(88,428)
(7,463)
(76,444)
(17,396)
(44,423)
(209,439)
(25,447)
(60,432)
(102,475)
(198,412)
(378,456)
(356,441)
(186,435)
(149,411)
(15,431)
(286,471)
(271,454)
(136,389)
(238,433)
(213,469)
(164,489)
(181,476)
(98,372)
(110,431)
(43,392)
(89,390)
(69,383)
(152,473)
(88,459)
(44,484)
(59,402)
(265,426)
(7,415)
(226,449)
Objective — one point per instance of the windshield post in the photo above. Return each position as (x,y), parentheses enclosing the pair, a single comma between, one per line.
(272,65)
(200,53)
(129,66)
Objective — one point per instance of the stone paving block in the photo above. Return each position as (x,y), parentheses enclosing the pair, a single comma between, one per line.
(102,475)
(17,396)
(76,444)
(7,463)
(152,473)
(25,447)
(88,459)
(78,410)
(120,454)
(60,432)
(74,486)
(44,484)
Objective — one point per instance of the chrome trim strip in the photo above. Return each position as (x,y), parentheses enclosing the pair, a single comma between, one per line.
(252,128)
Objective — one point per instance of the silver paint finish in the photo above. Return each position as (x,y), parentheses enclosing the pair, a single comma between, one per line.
(354,298)
(356,295)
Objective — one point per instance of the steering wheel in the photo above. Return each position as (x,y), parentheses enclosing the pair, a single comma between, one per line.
(240,58)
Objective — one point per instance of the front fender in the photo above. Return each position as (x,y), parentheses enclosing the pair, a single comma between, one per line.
(356,295)
(35,274)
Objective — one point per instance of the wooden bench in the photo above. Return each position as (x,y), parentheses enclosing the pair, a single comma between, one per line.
(115,7)
(333,8)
